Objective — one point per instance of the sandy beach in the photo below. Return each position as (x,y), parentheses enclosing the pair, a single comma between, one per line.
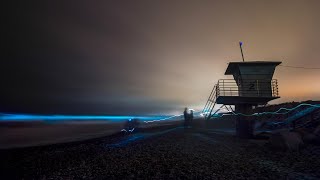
(174,153)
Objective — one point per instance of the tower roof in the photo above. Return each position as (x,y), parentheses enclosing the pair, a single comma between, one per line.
(233,66)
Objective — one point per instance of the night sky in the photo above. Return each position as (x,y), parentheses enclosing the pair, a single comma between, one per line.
(149,57)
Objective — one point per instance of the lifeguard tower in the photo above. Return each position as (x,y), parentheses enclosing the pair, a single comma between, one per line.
(252,85)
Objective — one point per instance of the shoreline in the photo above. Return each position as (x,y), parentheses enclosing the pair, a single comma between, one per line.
(20,134)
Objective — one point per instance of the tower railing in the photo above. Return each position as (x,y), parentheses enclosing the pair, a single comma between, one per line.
(248,88)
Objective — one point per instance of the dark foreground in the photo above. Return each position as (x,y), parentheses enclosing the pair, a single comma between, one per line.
(166,154)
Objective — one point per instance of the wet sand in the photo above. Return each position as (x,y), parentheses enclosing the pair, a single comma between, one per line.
(23,134)
(36,133)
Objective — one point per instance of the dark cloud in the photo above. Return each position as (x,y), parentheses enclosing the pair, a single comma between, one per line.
(148,57)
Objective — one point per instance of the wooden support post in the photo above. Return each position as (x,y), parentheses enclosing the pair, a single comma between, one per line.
(244,124)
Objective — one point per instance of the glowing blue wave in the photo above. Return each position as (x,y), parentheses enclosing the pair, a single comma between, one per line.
(146,119)
(73,117)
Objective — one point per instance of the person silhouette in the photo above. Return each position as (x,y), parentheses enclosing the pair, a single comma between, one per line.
(191,117)
(186,117)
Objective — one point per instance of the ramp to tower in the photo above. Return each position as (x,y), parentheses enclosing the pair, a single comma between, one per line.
(211,103)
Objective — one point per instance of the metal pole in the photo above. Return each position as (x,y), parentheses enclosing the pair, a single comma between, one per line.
(240,43)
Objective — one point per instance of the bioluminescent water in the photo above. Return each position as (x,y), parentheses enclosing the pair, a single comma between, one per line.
(31,117)
(67,117)
(146,119)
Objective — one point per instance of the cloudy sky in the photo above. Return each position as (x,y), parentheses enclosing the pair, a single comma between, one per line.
(151,56)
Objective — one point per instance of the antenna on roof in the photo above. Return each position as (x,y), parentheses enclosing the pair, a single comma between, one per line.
(240,43)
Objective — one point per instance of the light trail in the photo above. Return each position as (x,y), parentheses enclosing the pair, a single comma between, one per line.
(180,115)
(287,110)
(163,118)
(140,136)
(129,130)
